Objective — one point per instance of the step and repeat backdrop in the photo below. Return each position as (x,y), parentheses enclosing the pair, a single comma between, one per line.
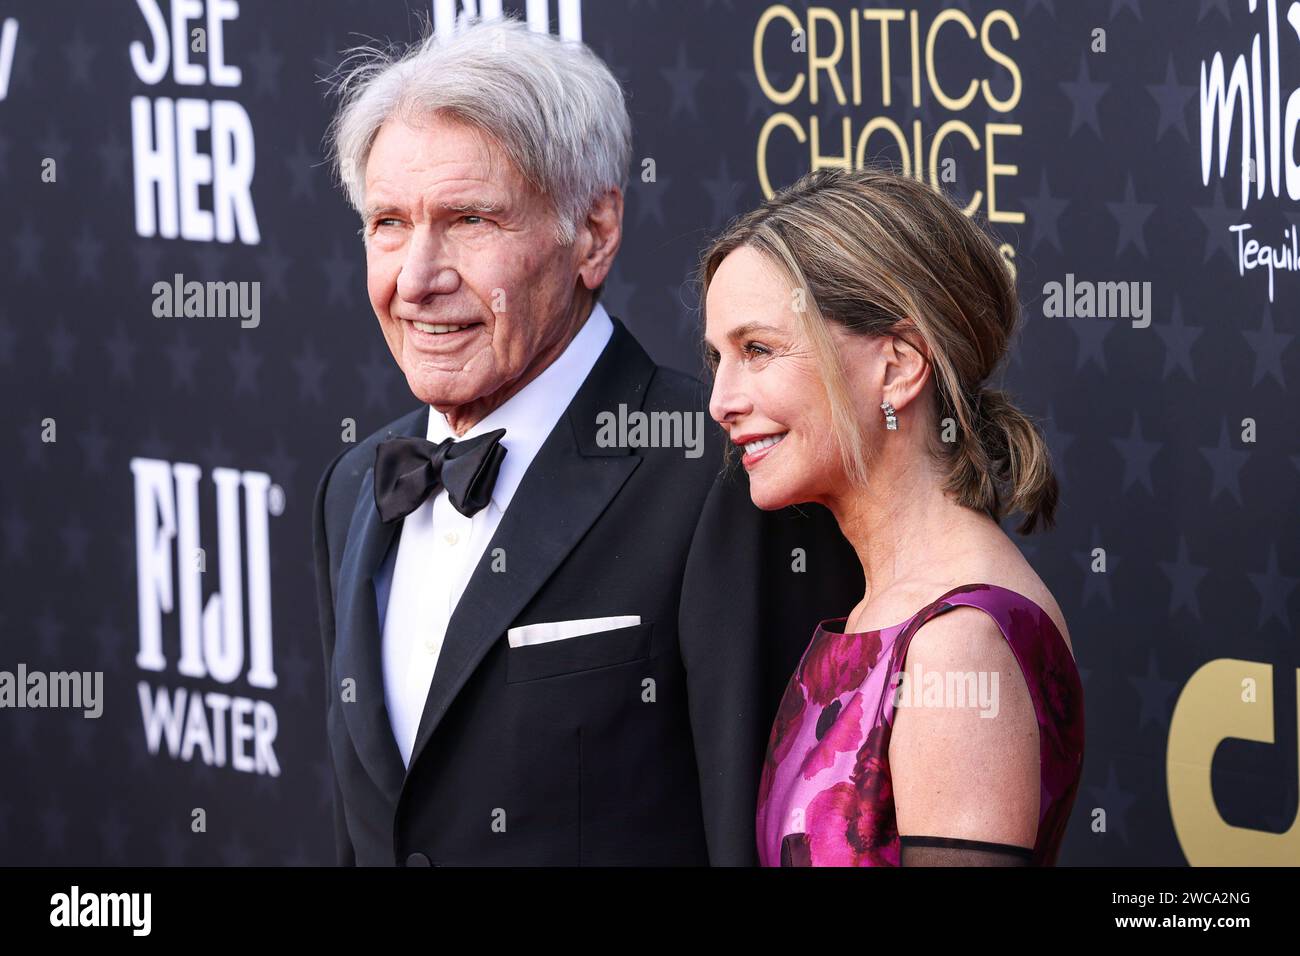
(1137,158)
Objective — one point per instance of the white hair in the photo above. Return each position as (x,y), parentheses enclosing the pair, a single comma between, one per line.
(553,106)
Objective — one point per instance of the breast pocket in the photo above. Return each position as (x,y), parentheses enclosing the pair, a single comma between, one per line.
(575,655)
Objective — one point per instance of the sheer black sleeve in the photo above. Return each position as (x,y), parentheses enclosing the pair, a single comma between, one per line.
(948,851)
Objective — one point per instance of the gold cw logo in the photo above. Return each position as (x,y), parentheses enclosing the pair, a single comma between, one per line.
(1226,699)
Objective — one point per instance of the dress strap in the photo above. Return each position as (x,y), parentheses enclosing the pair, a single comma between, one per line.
(1054,688)
(1034,637)
(1046,663)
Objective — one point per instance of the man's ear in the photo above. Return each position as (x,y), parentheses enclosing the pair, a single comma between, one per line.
(600,238)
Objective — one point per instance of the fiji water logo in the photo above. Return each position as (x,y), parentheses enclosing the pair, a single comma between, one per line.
(222,640)
(449,14)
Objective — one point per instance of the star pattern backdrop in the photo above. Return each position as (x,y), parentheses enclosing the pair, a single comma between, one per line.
(1175,442)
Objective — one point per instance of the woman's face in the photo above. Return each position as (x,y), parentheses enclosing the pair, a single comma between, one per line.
(768,394)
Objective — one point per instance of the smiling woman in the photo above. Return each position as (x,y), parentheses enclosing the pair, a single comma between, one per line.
(841,265)
(852,322)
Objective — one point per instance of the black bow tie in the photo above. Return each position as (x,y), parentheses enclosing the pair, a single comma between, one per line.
(408,470)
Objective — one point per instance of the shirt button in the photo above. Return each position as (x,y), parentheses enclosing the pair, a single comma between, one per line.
(451,537)
(431,646)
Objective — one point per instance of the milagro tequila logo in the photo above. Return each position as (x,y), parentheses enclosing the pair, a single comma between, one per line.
(221,729)
(1265,136)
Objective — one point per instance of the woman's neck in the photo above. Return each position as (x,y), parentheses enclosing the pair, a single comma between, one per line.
(904,526)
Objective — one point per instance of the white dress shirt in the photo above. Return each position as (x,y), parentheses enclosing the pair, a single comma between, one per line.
(439,548)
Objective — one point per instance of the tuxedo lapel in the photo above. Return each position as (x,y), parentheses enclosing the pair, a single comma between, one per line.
(566,488)
(357,649)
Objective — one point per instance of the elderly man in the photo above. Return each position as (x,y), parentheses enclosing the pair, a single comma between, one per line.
(542,645)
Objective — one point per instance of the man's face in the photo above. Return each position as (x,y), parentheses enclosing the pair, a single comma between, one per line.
(472,291)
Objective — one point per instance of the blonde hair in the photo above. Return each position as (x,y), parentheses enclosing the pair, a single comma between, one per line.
(880,253)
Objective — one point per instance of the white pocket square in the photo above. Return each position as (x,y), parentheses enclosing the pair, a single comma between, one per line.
(531,634)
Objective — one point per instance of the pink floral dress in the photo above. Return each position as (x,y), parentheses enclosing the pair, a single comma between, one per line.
(825,796)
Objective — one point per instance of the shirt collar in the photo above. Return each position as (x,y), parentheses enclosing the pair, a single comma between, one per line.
(530,414)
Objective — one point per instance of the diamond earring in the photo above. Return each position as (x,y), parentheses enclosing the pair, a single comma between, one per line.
(891,416)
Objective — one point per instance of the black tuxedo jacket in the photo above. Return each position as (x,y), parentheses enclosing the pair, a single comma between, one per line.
(640,745)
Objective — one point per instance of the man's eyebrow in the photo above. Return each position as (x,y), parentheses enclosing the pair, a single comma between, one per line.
(462,206)
(473,205)
(377,209)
